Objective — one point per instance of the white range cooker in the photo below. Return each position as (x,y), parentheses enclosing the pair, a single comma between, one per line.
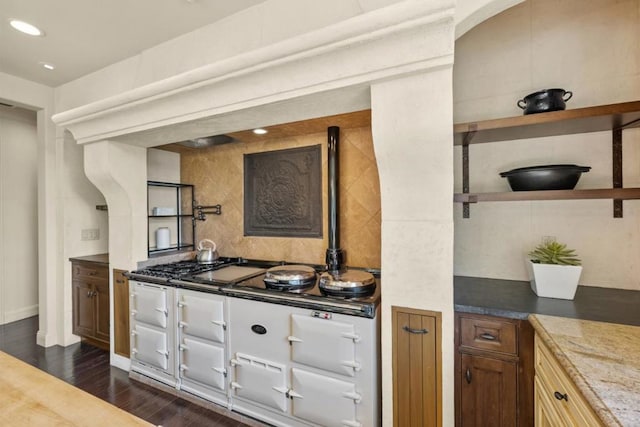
(293,355)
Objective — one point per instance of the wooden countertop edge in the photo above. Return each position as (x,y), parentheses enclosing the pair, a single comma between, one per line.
(102,259)
(598,406)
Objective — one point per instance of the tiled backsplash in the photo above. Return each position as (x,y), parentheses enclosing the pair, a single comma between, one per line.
(217,174)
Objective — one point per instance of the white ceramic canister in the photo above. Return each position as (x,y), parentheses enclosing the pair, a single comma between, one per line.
(163,238)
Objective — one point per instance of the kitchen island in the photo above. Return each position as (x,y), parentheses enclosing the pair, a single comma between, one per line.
(31,397)
(602,361)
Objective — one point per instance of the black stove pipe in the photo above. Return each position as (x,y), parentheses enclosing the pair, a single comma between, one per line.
(335,256)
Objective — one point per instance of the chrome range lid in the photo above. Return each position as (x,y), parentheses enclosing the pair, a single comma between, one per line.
(290,277)
(350,283)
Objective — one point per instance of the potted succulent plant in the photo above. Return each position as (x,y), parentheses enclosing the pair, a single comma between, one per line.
(555,270)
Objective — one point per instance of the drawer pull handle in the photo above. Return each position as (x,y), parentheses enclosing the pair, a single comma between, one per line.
(487,336)
(467,376)
(415,331)
(561,396)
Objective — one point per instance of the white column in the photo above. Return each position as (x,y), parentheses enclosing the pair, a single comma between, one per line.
(412,134)
(119,171)
(49,245)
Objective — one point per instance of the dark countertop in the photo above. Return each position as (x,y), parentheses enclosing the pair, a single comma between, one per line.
(98,259)
(514,299)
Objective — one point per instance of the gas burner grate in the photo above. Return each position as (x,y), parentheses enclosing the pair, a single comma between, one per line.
(179,269)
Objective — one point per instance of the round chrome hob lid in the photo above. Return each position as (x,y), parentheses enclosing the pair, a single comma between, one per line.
(350,284)
(290,277)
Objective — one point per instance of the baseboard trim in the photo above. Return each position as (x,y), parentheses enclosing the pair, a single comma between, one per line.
(22,313)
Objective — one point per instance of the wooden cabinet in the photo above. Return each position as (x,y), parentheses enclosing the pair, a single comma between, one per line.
(121,333)
(90,281)
(494,371)
(417,367)
(489,391)
(557,400)
(614,118)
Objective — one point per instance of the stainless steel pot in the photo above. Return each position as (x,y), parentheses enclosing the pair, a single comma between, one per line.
(207,253)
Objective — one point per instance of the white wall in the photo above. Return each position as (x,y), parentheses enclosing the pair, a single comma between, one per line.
(79,198)
(163,166)
(18,214)
(592,51)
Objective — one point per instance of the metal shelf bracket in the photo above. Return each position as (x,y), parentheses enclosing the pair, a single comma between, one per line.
(468,136)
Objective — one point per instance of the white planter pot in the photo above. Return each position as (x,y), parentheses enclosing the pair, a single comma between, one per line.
(555,281)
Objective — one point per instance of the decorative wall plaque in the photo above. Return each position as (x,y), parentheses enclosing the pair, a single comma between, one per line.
(283,193)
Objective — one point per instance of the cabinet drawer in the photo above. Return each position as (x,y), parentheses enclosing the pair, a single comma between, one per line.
(489,334)
(560,389)
(83,271)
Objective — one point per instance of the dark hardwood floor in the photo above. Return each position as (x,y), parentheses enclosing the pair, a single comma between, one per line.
(88,368)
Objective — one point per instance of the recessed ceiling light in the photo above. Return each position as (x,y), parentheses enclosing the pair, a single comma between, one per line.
(48,65)
(25,27)
(260,131)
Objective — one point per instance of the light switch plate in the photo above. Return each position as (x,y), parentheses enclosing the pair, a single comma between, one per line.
(90,234)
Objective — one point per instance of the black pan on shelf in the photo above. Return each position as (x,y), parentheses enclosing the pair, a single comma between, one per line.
(544,177)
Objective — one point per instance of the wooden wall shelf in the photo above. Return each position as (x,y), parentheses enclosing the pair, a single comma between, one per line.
(603,193)
(613,117)
(566,122)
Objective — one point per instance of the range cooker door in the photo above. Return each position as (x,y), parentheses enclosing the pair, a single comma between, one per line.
(203,363)
(149,304)
(324,344)
(260,381)
(323,400)
(150,346)
(202,315)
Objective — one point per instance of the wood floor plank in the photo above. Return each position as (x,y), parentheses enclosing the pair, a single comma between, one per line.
(88,368)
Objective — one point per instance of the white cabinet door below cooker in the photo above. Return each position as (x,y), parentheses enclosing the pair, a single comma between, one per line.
(149,305)
(151,347)
(203,363)
(260,381)
(202,316)
(322,400)
(324,344)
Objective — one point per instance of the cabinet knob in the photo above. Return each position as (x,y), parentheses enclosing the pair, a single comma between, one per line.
(467,376)
(561,396)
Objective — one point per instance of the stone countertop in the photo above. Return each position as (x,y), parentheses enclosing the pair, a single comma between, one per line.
(602,360)
(515,299)
(99,258)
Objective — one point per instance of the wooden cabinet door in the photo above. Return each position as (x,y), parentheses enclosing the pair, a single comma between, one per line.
(83,312)
(121,333)
(417,371)
(545,413)
(101,301)
(488,391)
